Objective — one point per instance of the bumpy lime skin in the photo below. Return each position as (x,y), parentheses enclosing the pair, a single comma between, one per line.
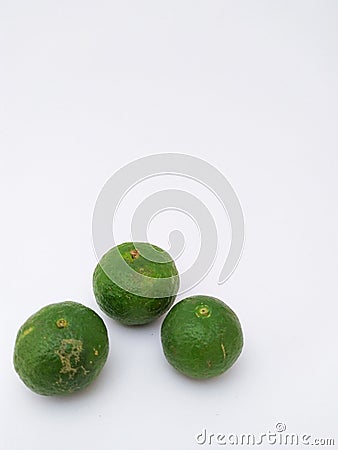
(61,349)
(124,306)
(201,337)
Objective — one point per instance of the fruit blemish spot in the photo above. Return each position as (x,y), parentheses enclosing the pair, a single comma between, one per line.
(28,331)
(69,354)
(223,350)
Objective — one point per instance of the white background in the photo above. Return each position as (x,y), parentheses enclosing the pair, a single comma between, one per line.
(251,87)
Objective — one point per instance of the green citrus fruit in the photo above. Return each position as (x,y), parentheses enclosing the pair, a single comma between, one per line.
(201,337)
(61,349)
(135,283)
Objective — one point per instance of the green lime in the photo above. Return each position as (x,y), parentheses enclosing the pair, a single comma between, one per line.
(135,283)
(201,337)
(61,349)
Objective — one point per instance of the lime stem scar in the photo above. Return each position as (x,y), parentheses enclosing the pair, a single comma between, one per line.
(134,254)
(61,323)
(203,311)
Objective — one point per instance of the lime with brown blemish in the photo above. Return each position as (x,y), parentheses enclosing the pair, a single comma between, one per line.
(61,349)
(201,337)
(135,282)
